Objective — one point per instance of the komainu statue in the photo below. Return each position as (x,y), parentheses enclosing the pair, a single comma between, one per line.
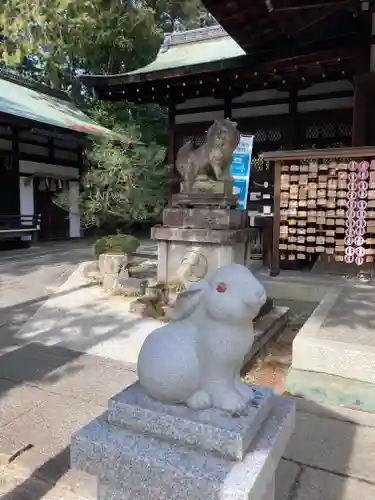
(213,158)
(196,358)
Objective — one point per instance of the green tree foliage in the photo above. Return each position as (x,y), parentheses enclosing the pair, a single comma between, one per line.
(63,36)
(103,36)
(124,184)
(55,39)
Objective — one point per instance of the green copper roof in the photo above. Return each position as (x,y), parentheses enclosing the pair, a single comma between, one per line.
(25,102)
(191,52)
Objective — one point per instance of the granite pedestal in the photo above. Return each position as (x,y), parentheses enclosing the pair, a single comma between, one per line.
(143,450)
(211,235)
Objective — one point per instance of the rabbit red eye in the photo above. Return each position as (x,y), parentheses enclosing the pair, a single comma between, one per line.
(221,288)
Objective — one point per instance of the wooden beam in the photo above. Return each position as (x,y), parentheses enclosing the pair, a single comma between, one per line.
(275,257)
(228,107)
(325,5)
(15,149)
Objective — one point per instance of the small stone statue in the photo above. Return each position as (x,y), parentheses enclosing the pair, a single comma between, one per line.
(213,157)
(196,359)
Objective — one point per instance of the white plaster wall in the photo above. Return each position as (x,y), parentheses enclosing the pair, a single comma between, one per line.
(199,117)
(26,199)
(33,167)
(273,109)
(61,154)
(33,149)
(28,135)
(261,95)
(74,217)
(327,87)
(339,103)
(5,131)
(5,145)
(199,103)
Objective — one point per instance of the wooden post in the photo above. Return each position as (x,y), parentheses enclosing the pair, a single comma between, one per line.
(292,129)
(173,179)
(51,150)
(359,112)
(228,107)
(171,133)
(275,257)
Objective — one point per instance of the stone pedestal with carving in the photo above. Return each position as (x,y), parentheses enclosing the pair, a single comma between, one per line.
(198,236)
(141,449)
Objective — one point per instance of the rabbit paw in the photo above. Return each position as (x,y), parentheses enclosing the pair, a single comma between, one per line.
(231,401)
(245,390)
(200,400)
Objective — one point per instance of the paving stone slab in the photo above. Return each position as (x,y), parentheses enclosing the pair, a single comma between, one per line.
(17,484)
(55,468)
(335,446)
(15,400)
(286,475)
(34,361)
(319,485)
(49,425)
(338,337)
(63,371)
(84,318)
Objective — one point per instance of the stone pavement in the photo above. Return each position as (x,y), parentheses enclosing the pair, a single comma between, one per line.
(47,392)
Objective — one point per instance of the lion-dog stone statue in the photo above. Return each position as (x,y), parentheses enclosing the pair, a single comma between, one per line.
(213,158)
(196,359)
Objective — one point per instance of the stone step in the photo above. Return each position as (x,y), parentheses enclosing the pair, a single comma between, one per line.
(267,327)
(211,429)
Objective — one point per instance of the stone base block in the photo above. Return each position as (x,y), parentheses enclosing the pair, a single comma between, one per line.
(204,200)
(134,465)
(209,430)
(204,185)
(105,492)
(203,218)
(199,250)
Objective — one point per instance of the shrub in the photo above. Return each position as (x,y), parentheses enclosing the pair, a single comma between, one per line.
(118,243)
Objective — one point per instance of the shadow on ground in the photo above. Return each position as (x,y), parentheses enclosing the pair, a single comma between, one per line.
(49,391)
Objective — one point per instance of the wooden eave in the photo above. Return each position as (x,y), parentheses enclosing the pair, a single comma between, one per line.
(256,23)
(234,78)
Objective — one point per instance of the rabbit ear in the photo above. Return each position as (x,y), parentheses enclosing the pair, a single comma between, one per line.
(187,301)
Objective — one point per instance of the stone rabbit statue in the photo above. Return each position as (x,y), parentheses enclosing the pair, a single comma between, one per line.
(196,359)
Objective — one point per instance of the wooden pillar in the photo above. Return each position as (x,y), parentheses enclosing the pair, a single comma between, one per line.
(171,133)
(228,107)
(359,112)
(14,174)
(51,150)
(173,178)
(365,64)
(275,257)
(291,141)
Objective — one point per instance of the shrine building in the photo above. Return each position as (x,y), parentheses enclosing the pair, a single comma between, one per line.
(43,136)
(298,75)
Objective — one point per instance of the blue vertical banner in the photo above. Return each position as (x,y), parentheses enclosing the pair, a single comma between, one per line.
(240,169)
